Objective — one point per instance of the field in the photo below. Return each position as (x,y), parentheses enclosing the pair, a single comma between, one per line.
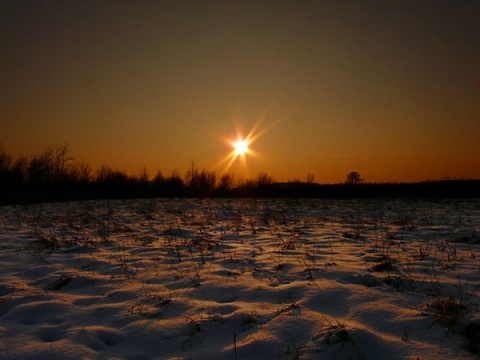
(240,279)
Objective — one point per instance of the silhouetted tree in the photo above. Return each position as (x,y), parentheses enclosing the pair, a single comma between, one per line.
(263,179)
(106,175)
(143,178)
(159,179)
(80,172)
(310,178)
(174,185)
(167,185)
(5,159)
(40,169)
(206,182)
(225,183)
(192,177)
(7,178)
(353,178)
(61,160)
(51,167)
(20,170)
(104,172)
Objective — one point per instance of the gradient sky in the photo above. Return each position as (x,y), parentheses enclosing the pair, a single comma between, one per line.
(388,88)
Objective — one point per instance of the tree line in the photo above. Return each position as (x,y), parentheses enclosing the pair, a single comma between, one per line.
(53,175)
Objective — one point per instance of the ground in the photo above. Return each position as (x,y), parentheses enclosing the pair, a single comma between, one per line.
(240,279)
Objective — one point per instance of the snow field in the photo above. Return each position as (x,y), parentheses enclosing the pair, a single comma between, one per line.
(240,279)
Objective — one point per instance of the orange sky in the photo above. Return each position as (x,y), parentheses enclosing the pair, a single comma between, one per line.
(390,89)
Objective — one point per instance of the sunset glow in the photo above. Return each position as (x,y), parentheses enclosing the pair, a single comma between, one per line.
(388,88)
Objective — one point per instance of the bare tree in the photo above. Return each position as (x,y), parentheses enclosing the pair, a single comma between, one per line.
(310,178)
(353,178)
(80,172)
(20,169)
(192,177)
(103,173)
(143,177)
(61,160)
(51,166)
(5,159)
(263,179)
(226,182)
(207,181)
(159,179)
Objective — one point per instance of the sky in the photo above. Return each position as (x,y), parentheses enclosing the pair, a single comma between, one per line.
(388,88)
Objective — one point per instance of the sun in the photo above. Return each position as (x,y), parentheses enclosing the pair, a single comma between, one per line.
(241,147)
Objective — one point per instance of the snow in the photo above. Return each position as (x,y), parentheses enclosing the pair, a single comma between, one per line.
(240,279)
